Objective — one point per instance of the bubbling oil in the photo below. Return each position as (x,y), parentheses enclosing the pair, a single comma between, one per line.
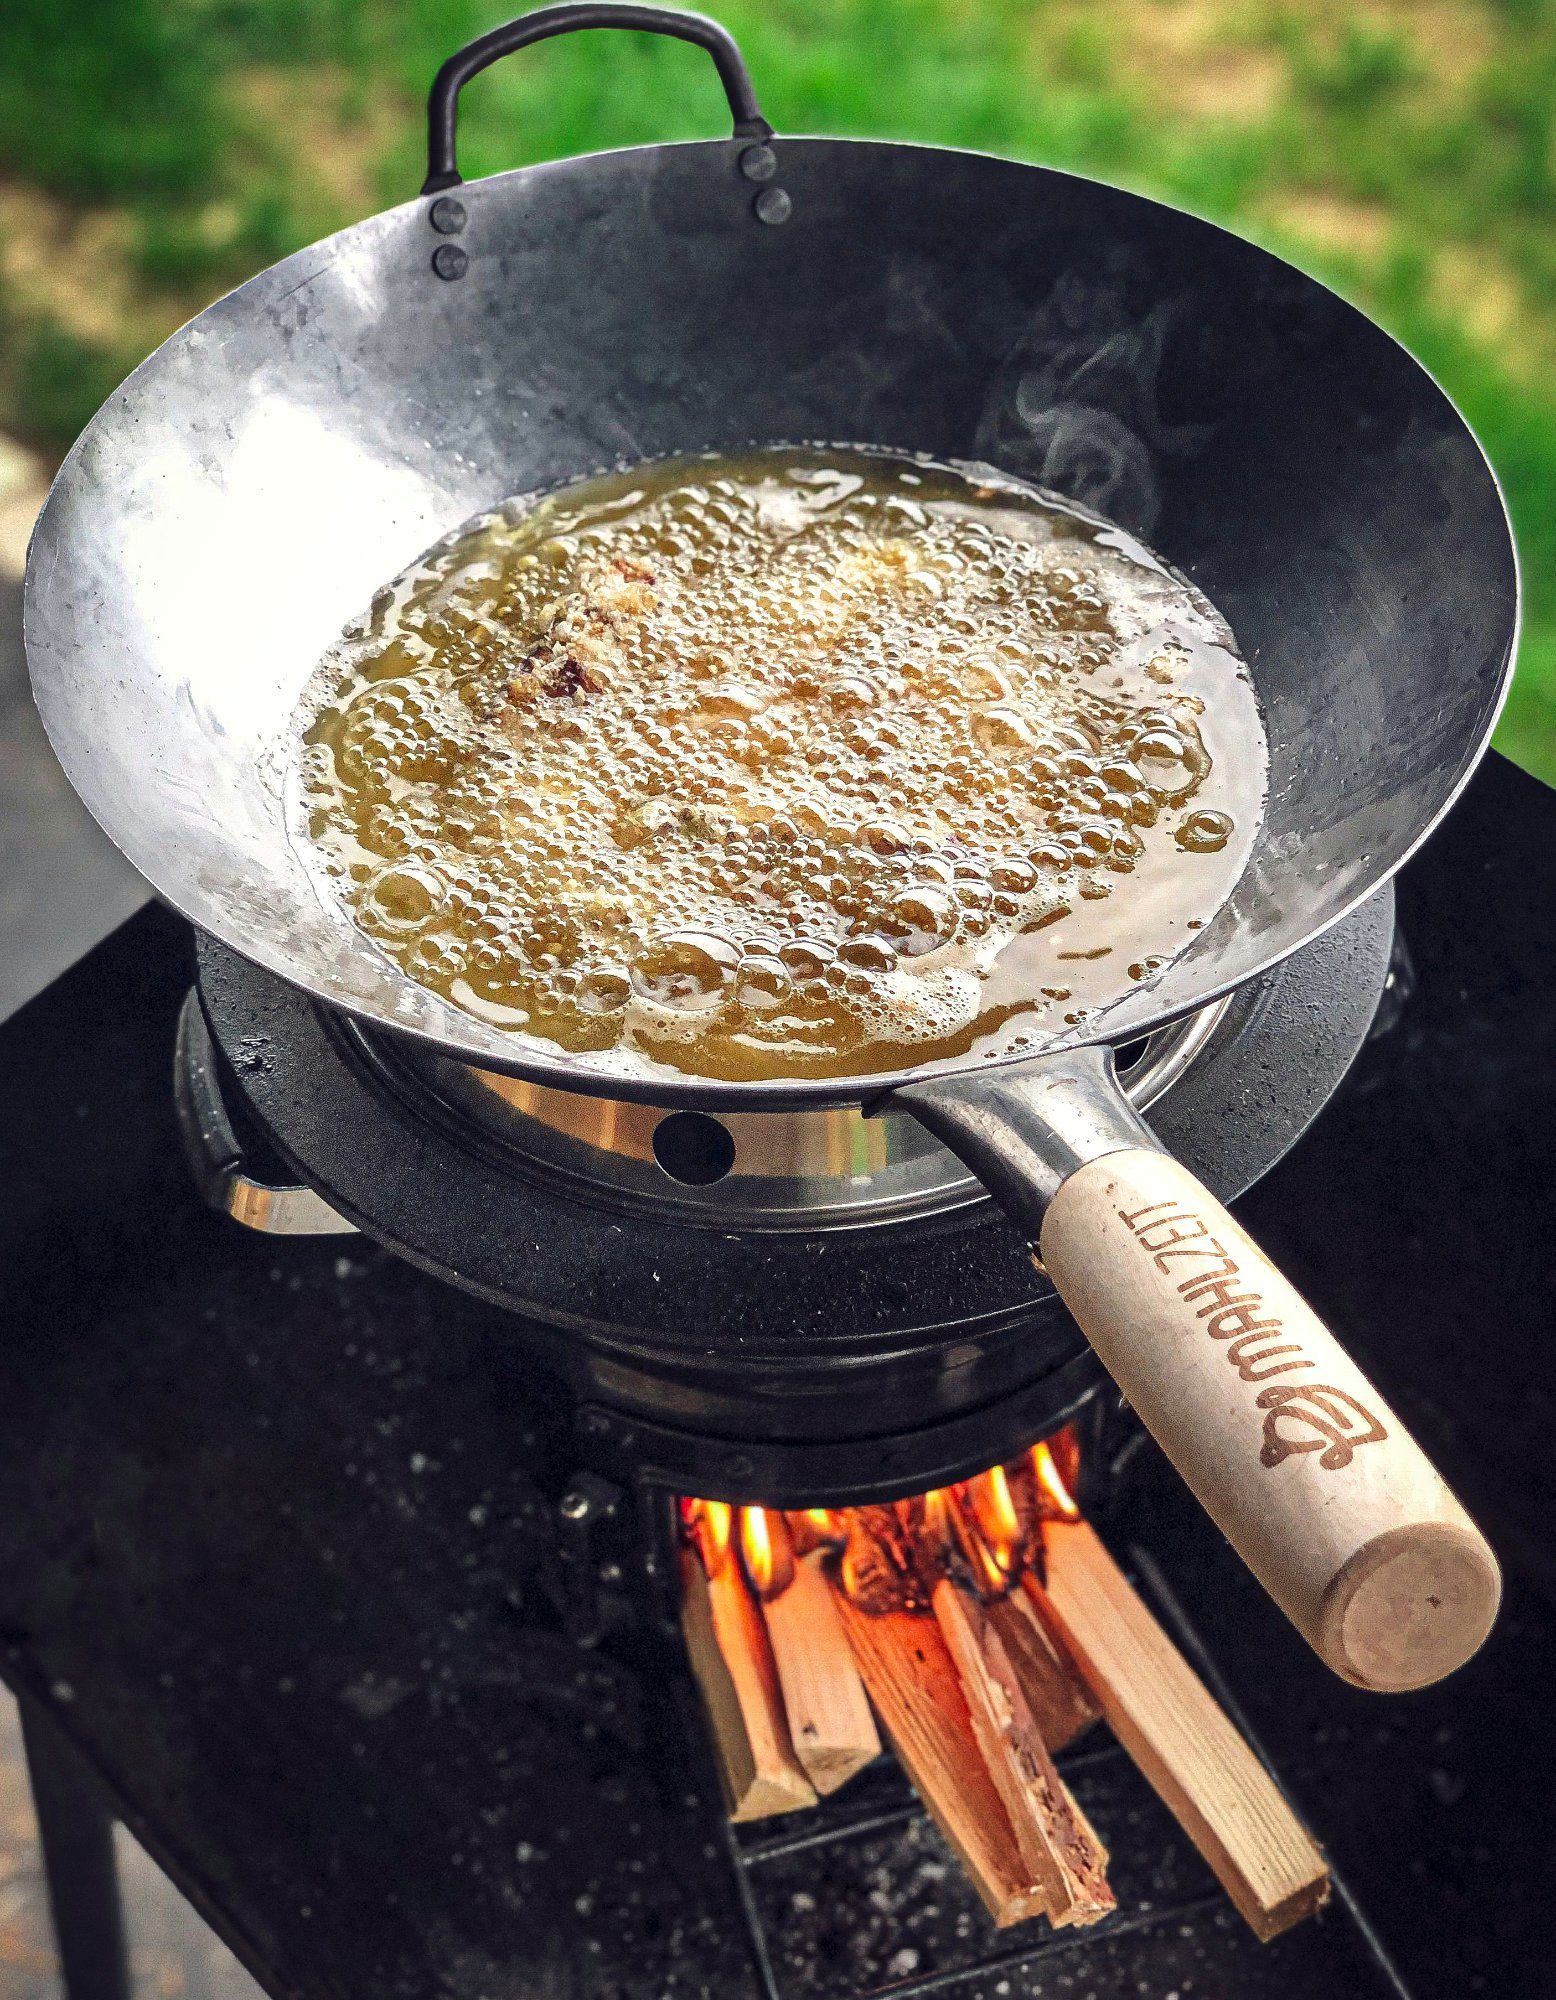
(801,763)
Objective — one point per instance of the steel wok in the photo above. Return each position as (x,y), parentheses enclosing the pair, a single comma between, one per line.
(247,490)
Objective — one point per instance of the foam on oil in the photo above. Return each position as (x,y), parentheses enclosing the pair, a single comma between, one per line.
(810,762)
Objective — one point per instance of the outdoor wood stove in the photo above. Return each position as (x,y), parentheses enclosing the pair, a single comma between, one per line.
(262,474)
(292,1536)
(699,1284)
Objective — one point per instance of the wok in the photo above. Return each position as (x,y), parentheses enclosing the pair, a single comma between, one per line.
(247,490)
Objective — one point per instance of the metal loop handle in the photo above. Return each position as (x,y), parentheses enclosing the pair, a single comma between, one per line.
(443,100)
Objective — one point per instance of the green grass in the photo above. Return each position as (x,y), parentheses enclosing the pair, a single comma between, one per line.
(1406,152)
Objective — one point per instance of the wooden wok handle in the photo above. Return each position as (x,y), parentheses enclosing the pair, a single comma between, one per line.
(1299,1461)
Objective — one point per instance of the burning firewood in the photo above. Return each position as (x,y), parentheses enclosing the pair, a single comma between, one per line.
(917,1693)
(1176,1732)
(1064,1855)
(828,1714)
(1060,1702)
(726,1642)
(997,1523)
(899,1561)
(988,1626)
(976,1536)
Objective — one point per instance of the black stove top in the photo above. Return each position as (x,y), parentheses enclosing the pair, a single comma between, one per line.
(277,1548)
(706,1350)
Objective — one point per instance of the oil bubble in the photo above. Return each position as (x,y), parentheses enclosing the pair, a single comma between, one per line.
(1205,832)
(686,970)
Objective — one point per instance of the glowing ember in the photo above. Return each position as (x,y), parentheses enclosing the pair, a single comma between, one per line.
(812,1528)
(858,1568)
(880,1564)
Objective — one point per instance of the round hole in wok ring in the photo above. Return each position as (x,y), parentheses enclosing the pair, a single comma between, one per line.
(249,489)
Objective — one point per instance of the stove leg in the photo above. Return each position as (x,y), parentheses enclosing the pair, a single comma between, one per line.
(75,1831)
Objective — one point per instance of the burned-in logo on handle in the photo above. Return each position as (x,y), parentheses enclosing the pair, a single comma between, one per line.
(1254,1338)
(1314,1418)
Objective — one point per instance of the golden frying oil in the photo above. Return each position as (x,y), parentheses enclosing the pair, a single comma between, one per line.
(807,762)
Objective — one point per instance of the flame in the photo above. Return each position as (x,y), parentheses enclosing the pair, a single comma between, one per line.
(1055,1495)
(994,1509)
(987,1525)
(936,1525)
(708,1523)
(765,1551)
(756,1548)
(989,1577)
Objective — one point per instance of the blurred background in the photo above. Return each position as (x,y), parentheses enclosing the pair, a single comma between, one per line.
(155,152)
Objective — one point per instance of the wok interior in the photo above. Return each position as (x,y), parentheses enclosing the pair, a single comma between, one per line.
(251,486)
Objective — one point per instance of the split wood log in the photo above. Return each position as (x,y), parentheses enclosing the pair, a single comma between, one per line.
(1061,1703)
(828,1712)
(1178,1734)
(1056,1843)
(917,1693)
(726,1642)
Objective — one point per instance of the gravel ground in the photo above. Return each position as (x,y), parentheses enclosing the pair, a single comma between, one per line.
(172,1954)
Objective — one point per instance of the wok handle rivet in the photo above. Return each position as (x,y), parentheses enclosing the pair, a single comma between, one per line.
(447,216)
(773,206)
(759,163)
(449,261)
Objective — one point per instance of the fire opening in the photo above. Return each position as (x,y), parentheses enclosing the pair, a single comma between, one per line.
(984,1627)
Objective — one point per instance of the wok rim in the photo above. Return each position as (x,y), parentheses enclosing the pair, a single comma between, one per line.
(684,1091)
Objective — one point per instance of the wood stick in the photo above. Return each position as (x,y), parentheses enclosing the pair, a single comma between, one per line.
(828,1713)
(917,1694)
(726,1643)
(1211,1782)
(1061,1703)
(1056,1843)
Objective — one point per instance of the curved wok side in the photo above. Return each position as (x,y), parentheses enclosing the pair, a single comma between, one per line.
(247,490)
